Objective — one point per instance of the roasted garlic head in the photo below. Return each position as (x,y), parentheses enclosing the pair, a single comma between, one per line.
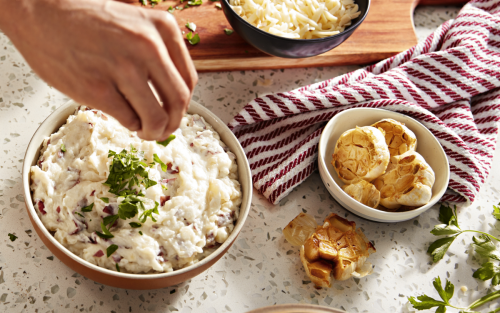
(360,154)
(398,137)
(335,248)
(408,181)
(363,192)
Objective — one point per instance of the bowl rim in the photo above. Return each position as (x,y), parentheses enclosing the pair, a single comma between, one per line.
(315,40)
(381,215)
(29,203)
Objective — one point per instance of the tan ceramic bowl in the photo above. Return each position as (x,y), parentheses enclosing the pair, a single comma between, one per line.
(126,280)
(296,308)
(427,145)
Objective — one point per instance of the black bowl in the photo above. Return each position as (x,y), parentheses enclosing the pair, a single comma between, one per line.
(286,47)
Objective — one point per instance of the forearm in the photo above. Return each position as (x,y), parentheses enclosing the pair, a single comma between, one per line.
(11,15)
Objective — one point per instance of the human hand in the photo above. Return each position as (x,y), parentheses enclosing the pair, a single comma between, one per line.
(103,53)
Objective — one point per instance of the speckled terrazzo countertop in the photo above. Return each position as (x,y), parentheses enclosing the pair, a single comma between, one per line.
(261,268)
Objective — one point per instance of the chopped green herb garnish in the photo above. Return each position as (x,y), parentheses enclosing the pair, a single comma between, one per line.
(63,148)
(105,200)
(143,2)
(109,220)
(135,224)
(164,187)
(80,214)
(12,237)
(218,6)
(111,249)
(170,9)
(191,26)
(166,141)
(195,2)
(117,267)
(228,31)
(149,213)
(193,40)
(164,166)
(88,208)
(104,236)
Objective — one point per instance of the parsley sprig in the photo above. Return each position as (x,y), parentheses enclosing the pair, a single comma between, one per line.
(425,302)
(451,229)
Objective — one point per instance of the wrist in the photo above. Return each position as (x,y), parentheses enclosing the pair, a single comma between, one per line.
(12,15)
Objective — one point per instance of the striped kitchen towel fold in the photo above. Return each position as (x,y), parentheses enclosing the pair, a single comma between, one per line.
(450,82)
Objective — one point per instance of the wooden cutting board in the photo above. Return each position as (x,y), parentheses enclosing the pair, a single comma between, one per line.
(387,30)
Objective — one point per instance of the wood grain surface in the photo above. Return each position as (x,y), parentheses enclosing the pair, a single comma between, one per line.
(387,30)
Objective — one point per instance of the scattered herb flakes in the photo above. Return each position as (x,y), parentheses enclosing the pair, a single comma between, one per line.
(12,237)
(192,39)
(170,138)
(110,250)
(228,31)
(117,267)
(191,26)
(195,2)
(135,224)
(170,9)
(63,148)
(218,6)
(164,166)
(140,232)
(88,208)
(80,214)
(149,213)
(105,200)
(143,2)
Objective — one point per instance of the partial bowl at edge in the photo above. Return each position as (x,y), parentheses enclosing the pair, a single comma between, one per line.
(128,280)
(427,145)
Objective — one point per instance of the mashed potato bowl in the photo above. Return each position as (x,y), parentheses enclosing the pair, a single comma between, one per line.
(128,280)
(427,146)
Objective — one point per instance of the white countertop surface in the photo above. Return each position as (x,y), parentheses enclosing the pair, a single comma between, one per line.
(261,268)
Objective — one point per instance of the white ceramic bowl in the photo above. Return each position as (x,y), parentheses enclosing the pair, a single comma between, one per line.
(127,280)
(427,145)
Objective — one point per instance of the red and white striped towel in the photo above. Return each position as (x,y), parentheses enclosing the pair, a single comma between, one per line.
(450,82)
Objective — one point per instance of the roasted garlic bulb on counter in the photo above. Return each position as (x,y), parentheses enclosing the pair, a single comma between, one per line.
(398,137)
(336,248)
(360,154)
(363,192)
(408,181)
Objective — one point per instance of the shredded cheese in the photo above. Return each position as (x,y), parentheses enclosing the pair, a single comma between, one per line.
(298,19)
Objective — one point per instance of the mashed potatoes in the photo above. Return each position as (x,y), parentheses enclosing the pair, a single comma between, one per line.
(197,192)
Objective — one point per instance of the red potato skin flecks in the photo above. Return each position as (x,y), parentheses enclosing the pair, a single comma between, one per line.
(41,207)
(99,254)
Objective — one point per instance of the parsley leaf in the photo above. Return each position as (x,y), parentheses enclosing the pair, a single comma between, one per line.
(439,247)
(195,2)
(228,31)
(170,9)
(12,237)
(117,267)
(105,200)
(496,212)
(104,236)
(129,207)
(63,148)
(88,208)
(192,39)
(488,271)
(448,216)
(111,249)
(191,26)
(109,220)
(164,166)
(135,224)
(424,302)
(140,232)
(485,247)
(80,214)
(166,141)
(447,293)
(149,213)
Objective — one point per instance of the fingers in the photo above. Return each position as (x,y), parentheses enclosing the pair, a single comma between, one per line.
(178,71)
(117,106)
(133,84)
(176,47)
